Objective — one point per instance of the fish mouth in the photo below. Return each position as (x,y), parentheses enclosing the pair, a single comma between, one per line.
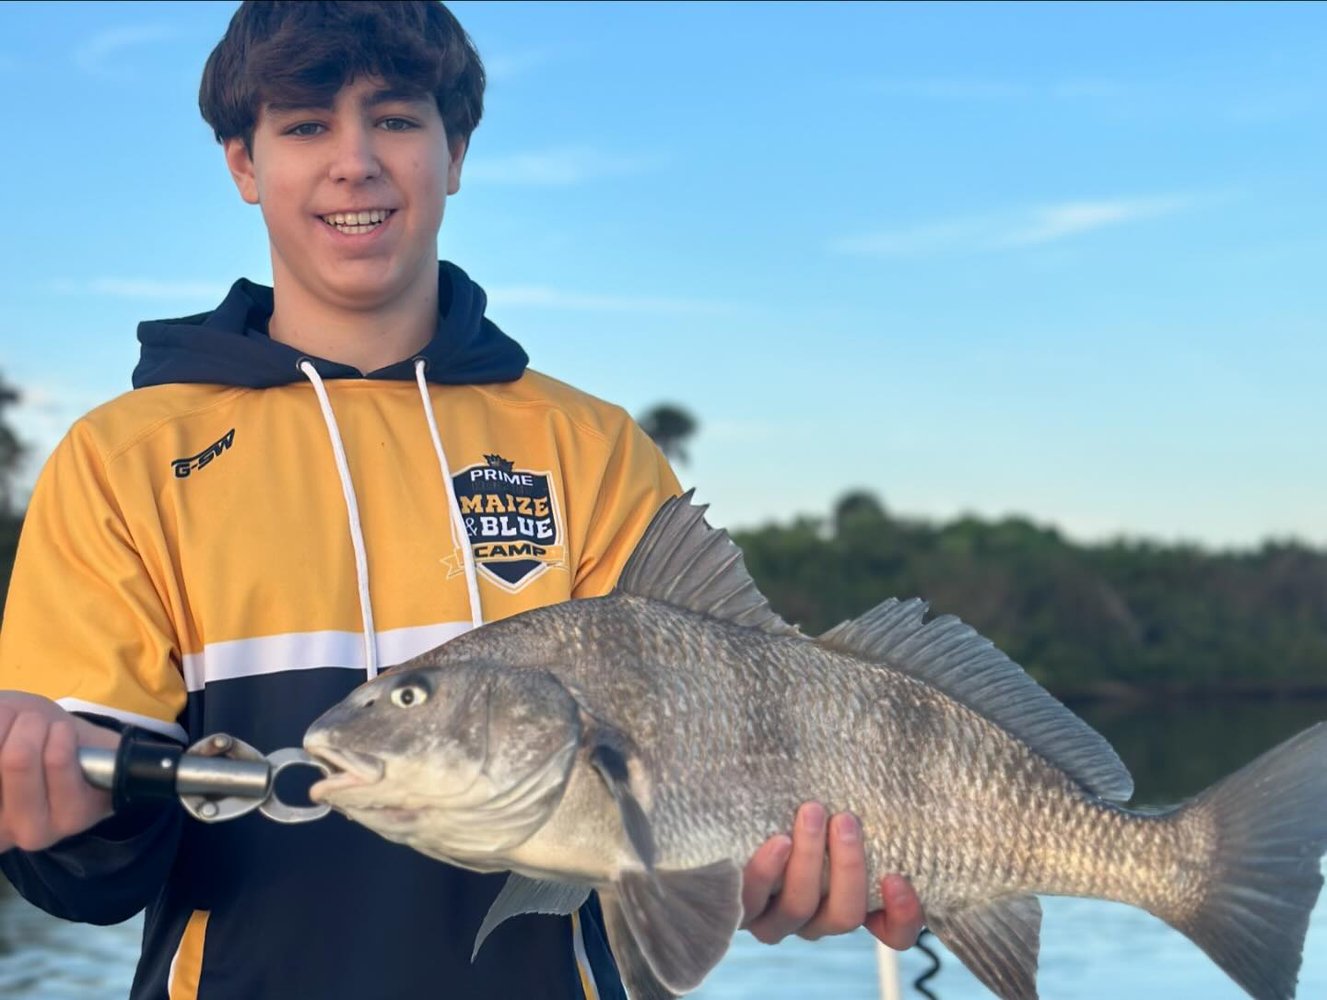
(349,769)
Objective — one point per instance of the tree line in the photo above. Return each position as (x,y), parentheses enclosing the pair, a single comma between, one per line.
(1118,618)
(12,454)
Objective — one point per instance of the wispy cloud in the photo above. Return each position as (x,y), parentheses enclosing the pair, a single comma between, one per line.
(104,53)
(142,288)
(505,66)
(545,297)
(959,88)
(40,418)
(1274,105)
(557,167)
(502,296)
(1029,227)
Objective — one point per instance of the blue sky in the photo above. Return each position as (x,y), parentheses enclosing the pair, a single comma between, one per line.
(1064,261)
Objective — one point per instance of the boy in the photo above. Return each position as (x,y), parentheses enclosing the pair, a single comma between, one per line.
(309,483)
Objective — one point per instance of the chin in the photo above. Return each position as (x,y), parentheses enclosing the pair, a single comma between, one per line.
(365,291)
(366,279)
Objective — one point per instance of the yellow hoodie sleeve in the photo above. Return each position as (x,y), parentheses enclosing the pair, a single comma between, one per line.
(636,482)
(84,622)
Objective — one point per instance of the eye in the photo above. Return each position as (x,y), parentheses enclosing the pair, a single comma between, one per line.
(396,124)
(305,130)
(409,695)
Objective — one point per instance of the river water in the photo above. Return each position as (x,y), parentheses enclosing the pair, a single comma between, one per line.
(1090,950)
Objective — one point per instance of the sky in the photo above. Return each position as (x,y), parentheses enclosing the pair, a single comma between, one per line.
(1060,261)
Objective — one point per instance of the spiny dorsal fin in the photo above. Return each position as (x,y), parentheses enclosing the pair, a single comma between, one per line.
(998,941)
(682,561)
(954,658)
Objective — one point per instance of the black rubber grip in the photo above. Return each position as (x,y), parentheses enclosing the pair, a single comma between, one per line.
(144,769)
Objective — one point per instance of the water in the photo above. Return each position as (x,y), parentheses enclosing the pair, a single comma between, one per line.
(1090,950)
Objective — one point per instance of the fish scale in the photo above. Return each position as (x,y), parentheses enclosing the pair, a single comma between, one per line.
(646,743)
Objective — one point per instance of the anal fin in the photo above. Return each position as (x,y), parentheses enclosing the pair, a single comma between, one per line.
(527,895)
(682,920)
(998,941)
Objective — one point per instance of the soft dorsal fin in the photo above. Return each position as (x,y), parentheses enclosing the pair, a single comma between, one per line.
(682,561)
(965,665)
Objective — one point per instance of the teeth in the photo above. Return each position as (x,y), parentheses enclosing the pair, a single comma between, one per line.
(355,222)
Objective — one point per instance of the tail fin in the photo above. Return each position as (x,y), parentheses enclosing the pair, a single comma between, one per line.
(1270,825)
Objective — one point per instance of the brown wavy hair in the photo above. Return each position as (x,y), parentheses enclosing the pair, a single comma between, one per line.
(302,52)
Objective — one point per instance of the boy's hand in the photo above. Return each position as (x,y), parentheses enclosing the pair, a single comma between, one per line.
(43,796)
(783,885)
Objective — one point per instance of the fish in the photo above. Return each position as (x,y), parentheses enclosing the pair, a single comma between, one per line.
(643,744)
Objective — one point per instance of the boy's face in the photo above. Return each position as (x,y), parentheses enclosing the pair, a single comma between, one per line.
(352,195)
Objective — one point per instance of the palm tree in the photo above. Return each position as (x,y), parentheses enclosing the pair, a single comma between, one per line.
(671,427)
(12,450)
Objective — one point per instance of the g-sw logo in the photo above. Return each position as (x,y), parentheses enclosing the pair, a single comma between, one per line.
(184,466)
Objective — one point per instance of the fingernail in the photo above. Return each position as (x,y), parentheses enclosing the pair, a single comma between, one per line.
(782,850)
(813,817)
(848,830)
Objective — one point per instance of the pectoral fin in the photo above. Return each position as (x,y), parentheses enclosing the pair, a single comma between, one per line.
(527,895)
(998,941)
(682,921)
(612,756)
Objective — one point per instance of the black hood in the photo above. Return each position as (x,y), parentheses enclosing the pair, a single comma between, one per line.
(231,346)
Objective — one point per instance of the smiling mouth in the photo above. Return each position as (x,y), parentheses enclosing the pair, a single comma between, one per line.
(358,223)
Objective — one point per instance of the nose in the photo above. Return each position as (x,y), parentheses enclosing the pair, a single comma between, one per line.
(355,158)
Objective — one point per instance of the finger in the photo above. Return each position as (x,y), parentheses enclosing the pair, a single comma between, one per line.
(74,804)
(901,920)
(26,812)
(803,879)
(844,908)
(7,715)
(763,875)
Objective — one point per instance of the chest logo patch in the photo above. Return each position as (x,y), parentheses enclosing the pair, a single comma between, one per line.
(511,516)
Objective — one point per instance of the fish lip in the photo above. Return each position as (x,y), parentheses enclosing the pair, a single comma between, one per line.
(348,767)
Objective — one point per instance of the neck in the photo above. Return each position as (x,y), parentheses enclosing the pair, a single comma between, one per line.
(366,338)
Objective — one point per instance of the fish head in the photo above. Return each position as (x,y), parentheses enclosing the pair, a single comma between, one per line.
(463,761)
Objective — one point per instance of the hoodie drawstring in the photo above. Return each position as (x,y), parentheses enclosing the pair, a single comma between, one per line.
(352,512)
(460,536)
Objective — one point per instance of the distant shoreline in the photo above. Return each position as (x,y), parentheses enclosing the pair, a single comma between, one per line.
(1123,693)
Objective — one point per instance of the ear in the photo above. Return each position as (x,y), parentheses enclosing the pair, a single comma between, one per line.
(458,148)
(240,163)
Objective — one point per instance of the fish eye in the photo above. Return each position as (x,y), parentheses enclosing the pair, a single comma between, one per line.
(409,695)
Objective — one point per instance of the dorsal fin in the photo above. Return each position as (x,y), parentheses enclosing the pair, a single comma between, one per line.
(966,666)
(682,561)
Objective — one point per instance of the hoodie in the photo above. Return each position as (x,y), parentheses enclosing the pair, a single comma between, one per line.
(231,346)
(241,541)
